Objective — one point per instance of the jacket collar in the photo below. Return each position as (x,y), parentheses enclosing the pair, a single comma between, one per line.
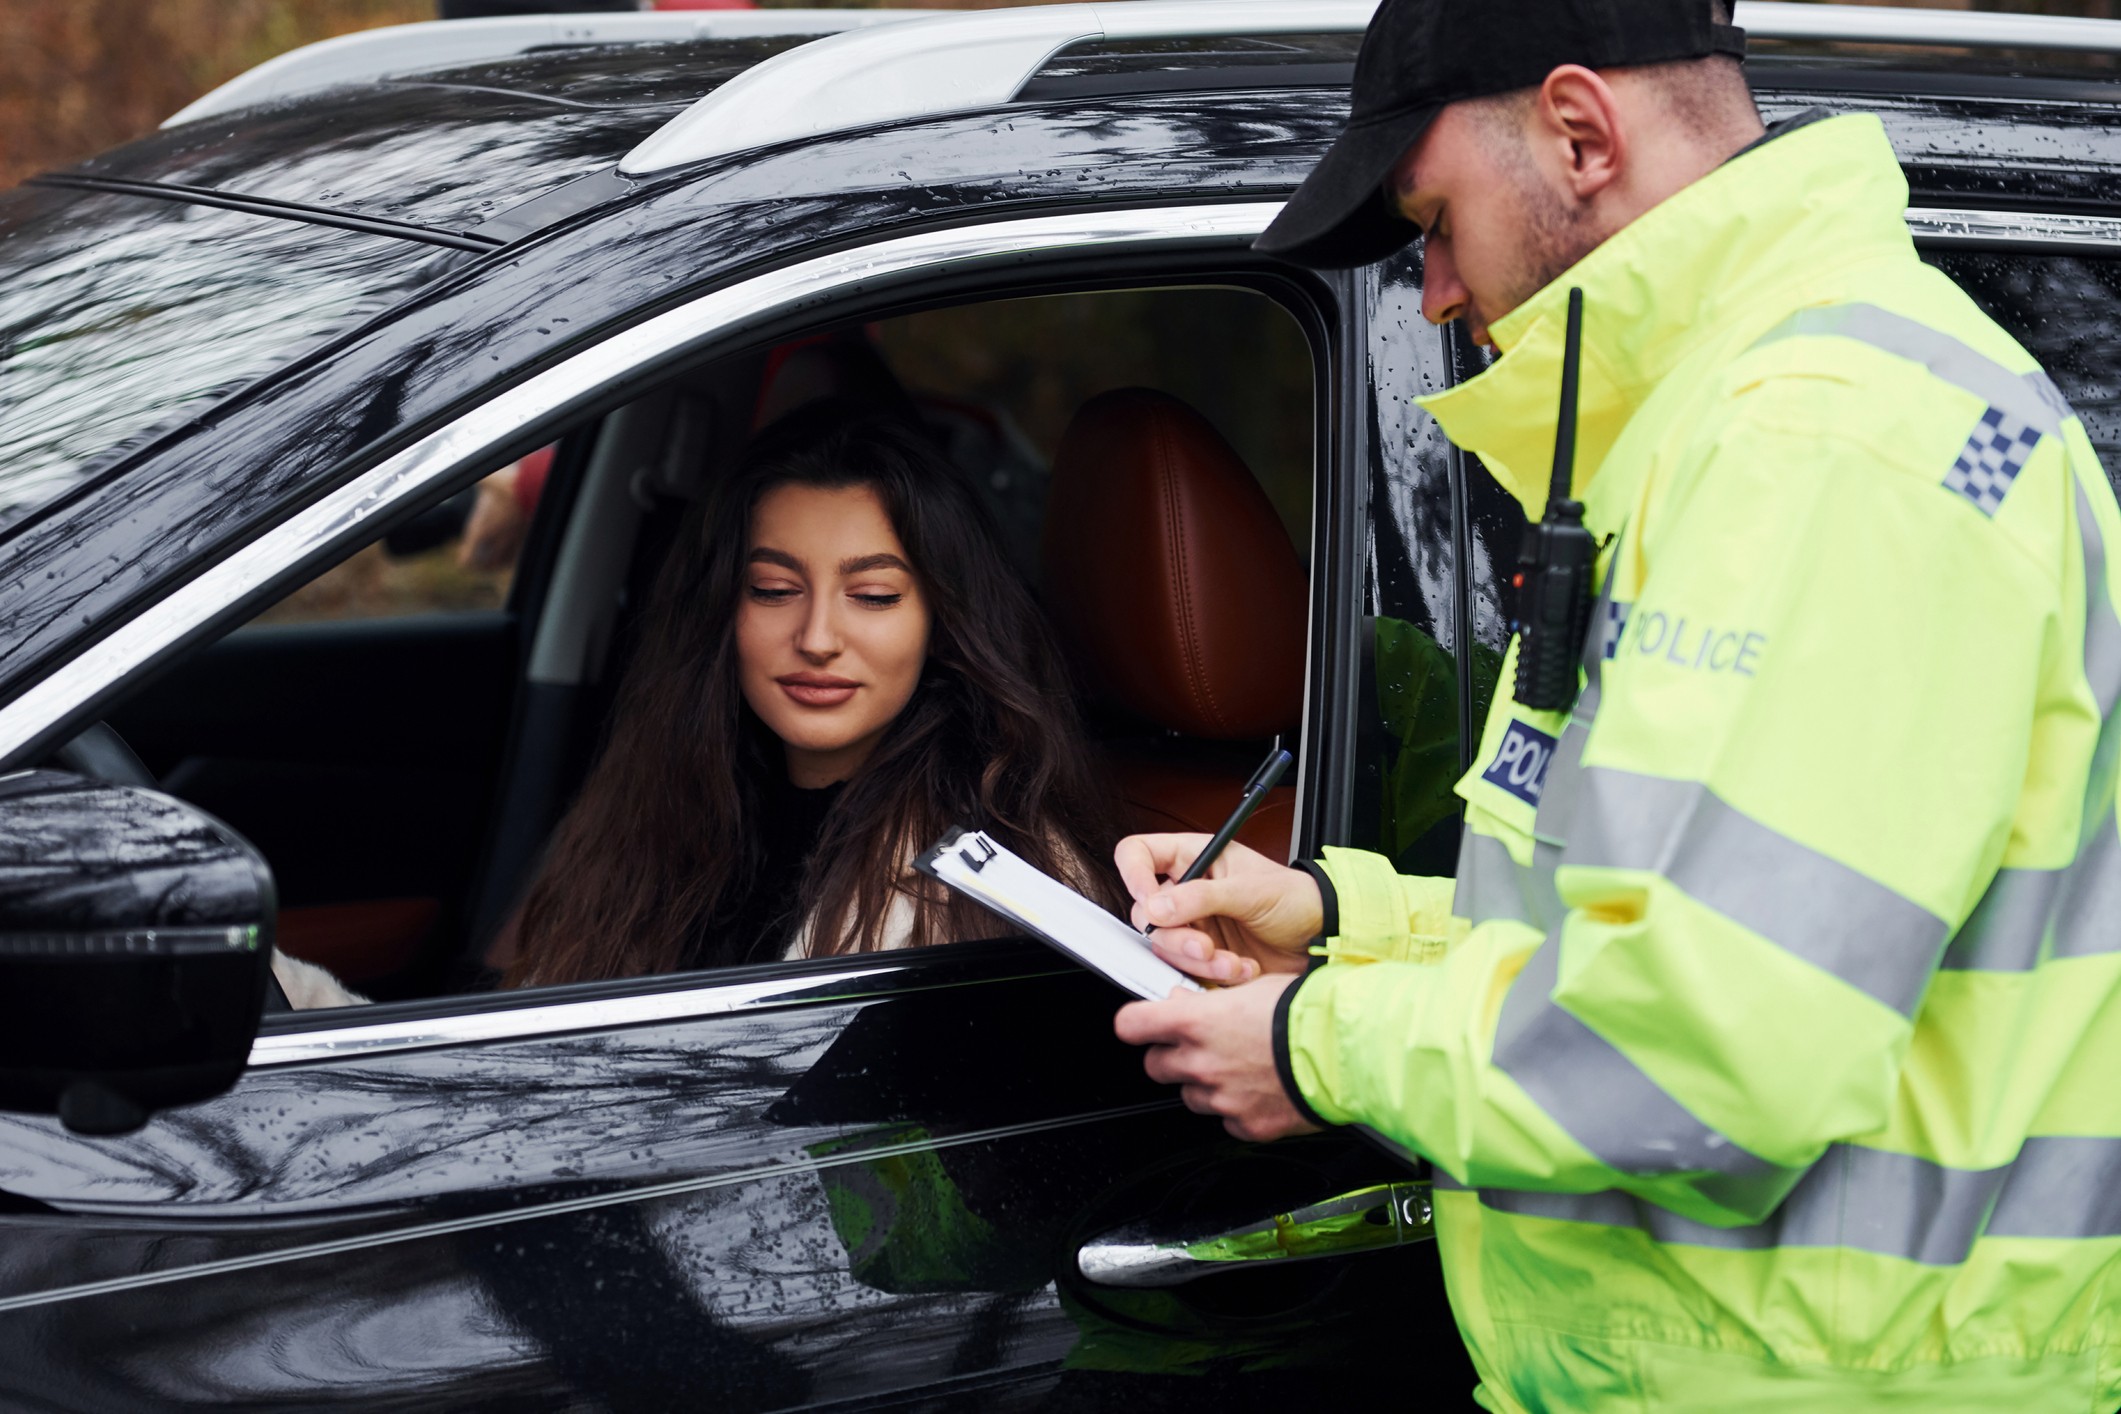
(1746,245)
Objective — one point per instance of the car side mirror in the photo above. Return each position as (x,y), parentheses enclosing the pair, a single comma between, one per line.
(135,947)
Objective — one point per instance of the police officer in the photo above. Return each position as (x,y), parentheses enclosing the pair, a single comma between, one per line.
(1766,1043)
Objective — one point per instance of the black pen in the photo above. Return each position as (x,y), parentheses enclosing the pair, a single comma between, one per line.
(1255,791)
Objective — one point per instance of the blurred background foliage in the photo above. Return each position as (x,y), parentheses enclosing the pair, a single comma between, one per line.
(78,76)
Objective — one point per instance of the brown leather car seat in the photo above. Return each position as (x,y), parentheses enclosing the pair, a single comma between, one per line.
(1174,586)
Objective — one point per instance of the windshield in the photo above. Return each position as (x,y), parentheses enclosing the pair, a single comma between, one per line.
(122,316)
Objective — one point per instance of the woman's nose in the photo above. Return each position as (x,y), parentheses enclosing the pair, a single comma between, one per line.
(820,635)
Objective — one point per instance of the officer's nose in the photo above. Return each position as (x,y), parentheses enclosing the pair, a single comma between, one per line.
(1444,296)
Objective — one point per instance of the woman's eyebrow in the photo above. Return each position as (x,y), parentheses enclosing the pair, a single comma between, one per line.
(764,556)
(863,563)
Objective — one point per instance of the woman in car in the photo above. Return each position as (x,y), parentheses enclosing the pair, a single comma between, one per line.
(837,664)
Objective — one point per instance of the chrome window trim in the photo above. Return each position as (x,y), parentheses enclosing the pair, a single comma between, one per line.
(339,517)
(192,606)
(360,1040)
(2031,231)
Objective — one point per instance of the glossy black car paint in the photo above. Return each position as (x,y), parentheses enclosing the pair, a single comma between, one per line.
(864,1189)
(84,856)
(121,317)
(813,1199)
(449,149)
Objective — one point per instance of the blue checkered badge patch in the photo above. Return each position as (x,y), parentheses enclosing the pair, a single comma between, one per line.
(1994,455)
(1607,628)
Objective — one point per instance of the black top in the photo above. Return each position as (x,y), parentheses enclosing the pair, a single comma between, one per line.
(756,925)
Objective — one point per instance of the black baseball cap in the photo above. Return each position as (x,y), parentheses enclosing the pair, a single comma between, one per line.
(1421,55)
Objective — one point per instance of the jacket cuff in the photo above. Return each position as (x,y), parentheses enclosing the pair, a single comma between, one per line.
(1284,1067)
(1370,903)
(1328,899)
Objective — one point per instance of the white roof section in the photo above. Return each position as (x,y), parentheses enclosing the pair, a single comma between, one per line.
(368,55)
(948,64)
(1929,29)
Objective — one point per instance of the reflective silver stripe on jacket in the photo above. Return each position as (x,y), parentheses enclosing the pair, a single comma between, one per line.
(1491,885)
(1595,816)
(1894,1205)
(1585,1084)
(2032,398)
(1806,902)
(2029,916)
(1809,904)
(1606,1102)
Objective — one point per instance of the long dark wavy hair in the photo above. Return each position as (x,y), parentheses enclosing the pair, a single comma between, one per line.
(663,838)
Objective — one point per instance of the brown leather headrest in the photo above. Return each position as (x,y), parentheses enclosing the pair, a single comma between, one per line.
(1168,573)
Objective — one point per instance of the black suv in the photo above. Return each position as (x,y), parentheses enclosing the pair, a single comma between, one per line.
(342,424)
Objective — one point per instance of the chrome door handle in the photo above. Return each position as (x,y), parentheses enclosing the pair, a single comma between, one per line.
(1366,1220)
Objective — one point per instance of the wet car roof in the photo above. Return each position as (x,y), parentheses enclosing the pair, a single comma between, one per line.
(665,75)
(445,148)
(465,149)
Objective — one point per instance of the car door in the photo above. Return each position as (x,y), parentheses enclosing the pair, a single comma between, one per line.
(879,1179)
(785,1187)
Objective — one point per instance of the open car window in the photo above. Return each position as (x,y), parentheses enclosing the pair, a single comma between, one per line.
(404,772)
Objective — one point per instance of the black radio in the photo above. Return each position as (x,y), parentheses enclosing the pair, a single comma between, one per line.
(1553,579)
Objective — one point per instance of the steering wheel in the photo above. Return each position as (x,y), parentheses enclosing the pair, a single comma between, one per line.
(100,754)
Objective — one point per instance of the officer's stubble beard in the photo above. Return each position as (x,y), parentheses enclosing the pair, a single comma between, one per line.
(1554,232)
(1707,99)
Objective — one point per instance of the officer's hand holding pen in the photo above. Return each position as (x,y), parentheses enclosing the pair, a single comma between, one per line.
(1249,915)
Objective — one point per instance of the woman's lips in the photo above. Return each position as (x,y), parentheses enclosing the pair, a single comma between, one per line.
(817,689)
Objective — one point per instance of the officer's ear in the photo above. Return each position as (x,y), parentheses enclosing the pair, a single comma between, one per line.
(1578,135)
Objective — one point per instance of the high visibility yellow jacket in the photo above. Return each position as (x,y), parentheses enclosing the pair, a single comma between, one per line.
(1770,1036)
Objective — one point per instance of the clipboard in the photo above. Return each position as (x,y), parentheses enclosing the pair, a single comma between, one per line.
(972,863)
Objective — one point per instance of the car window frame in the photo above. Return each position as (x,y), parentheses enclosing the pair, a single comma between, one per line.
(1195,241)
(602,375)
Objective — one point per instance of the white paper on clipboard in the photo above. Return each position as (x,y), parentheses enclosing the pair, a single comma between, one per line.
(974,865)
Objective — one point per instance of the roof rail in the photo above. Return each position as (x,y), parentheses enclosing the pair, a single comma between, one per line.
(947,64)
(368,55)
(962,62)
